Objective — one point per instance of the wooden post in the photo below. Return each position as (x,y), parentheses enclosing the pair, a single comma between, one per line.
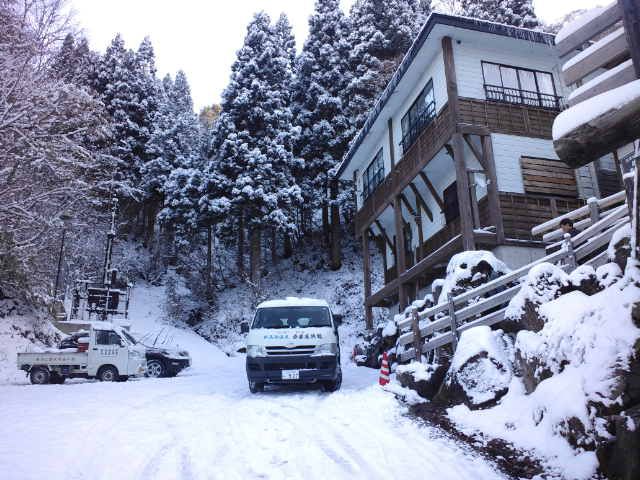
(493,192)
(401,258)
(454,323)
(464,199)
(571,254)
(631,19)
(474,201)
(336,250)
(594,210)
(366,271)
(392,147)
(417,341)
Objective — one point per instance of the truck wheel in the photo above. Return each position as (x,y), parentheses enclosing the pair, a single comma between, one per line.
(39,376)
(108,373)
(335,384)
(156,369)
(255,387)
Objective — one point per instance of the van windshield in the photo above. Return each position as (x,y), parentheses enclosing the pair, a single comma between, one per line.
(292,317)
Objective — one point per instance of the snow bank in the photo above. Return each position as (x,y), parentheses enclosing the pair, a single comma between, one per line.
(585,112)
(584,342)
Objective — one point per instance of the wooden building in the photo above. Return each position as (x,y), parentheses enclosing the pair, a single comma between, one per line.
(457,155)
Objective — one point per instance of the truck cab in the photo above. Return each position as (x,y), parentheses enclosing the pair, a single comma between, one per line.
(293,341)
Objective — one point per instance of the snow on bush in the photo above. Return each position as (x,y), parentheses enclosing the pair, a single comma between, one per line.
(481,364)
(585,341)
(542,284)
(468,270)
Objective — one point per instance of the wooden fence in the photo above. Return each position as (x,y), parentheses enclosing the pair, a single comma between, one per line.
(442,324)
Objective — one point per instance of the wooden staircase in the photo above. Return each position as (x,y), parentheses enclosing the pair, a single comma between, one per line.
(442,324)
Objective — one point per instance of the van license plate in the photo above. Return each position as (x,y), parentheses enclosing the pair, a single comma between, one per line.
(290,374)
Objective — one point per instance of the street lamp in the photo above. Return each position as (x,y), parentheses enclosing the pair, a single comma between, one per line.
(66,218)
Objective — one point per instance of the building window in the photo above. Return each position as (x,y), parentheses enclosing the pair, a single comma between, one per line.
(373,175)
(508,84)
(450,200)
(418,117)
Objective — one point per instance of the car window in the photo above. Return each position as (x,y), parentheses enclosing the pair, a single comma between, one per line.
(107,337)
(292,317)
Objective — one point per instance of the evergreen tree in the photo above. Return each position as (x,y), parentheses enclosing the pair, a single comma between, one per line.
(174,142)
(126,83)
(382,31)
(254,160)
(75,62)
(518,13)
(322,76)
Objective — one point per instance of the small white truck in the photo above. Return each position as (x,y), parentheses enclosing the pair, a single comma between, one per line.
(293,341)
(107,355)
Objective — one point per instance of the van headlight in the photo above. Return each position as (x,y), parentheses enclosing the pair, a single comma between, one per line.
(256,351)
(326,349)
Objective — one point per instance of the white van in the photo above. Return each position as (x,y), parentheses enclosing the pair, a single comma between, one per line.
(293,341)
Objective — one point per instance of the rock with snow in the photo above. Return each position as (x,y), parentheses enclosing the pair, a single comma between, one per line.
(480,371)
(424,378)
(469,270)
(584,278)
(608,274)
(585,345)
(545,282)
(619,458)
(620,246)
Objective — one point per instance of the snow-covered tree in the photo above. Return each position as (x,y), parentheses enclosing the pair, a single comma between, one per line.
(322,75)
(255,137)
(381,32)
(518,13)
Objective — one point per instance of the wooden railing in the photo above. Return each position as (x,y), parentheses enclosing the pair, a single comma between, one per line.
(442,324)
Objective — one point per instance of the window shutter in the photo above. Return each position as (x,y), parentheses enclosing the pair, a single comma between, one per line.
(548,177)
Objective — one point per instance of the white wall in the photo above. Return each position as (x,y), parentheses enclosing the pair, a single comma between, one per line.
(507,151)
(470,54)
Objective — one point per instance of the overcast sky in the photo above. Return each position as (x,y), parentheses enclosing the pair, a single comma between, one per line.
(201,36)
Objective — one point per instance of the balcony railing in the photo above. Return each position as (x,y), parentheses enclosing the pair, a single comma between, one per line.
(424,119)
(502,94)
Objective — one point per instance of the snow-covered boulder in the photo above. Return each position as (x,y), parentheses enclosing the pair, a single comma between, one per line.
(620,458)
(480,371)
(545,282)
(424,378)
(468,270)
(584,278)
(608,274)
(620,246)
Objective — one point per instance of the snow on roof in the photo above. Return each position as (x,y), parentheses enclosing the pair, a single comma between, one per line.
(294,302)
(596,46)
(586,111)
(599,79)
(570,28)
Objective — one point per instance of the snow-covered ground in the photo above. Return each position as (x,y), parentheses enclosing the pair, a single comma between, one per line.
(205,424)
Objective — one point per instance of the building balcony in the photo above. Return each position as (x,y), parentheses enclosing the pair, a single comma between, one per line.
(497,93)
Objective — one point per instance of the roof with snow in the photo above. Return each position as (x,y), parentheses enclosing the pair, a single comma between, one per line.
(294,302)
(434,19)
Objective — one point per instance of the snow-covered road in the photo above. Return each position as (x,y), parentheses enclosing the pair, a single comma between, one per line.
(205,424)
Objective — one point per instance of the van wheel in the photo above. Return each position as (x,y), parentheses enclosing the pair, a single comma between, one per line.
(39,376)
(255,387)
(156,369)
(334,385)
(108,373)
